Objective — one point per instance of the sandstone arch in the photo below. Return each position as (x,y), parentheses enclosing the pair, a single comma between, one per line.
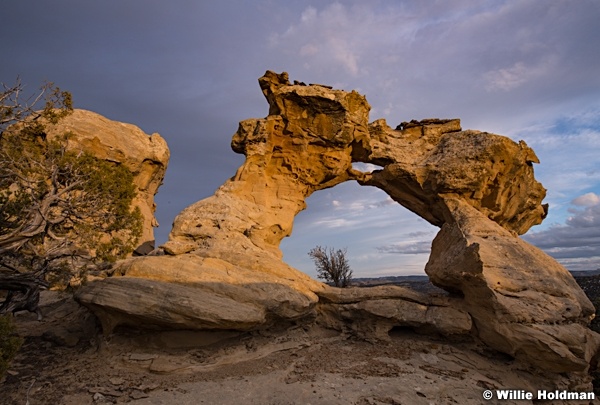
(382,237)
(224,268)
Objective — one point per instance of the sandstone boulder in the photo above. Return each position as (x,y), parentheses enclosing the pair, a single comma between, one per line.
(303,146)
(479,188)
(146,156)
(194,293)
(522,301)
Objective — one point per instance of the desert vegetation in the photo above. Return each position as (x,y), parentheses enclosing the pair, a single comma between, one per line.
(332,265)
(62,211)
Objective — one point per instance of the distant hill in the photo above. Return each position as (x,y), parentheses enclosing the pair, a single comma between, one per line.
(585,273)
(589,280)
(373,281)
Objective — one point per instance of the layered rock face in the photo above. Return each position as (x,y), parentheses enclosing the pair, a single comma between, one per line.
(224,269)
(146,156)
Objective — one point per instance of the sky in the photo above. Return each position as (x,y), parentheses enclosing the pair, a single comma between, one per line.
(188,69)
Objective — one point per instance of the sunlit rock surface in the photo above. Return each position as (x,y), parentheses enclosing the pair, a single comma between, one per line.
(146,156)
(479,188)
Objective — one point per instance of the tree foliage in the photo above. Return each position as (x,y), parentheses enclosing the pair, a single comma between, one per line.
(332,265)
(59,208)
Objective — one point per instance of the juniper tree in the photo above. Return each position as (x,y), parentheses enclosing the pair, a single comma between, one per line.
(60,210)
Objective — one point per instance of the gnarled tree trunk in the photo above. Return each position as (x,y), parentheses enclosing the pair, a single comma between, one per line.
(23,293)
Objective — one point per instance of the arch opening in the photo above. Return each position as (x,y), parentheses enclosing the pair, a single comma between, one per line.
(366,167)
(383,239)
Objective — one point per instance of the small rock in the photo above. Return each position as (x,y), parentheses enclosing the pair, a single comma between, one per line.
(137,394)
(148,387)
(105,391)
(99,398)
(117,380)
(112,393)
(429,358)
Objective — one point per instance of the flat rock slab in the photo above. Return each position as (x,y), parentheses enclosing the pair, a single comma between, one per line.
(139,302)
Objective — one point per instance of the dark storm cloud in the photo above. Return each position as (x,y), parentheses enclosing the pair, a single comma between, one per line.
(172,69)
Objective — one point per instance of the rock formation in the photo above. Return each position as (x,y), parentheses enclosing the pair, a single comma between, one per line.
(224,270)
(146,156)
(480,189)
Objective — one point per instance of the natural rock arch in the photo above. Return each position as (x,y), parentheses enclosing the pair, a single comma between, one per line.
(382,238)
(224,268)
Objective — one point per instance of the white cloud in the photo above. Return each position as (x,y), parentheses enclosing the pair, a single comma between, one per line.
(321,38)
(309,15)
(567,146)
(335,223)
(309,50)
(587,200)
(365,167)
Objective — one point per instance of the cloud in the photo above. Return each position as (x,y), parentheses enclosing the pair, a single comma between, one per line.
(357,206)
(335,223)
(587,200)
(567,146)
(420,233)
(506,59)
(365,167)
(407,248)
(322,36)
(506,79)
(576,243)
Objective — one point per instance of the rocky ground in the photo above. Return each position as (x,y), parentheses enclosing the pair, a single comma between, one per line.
(62,361)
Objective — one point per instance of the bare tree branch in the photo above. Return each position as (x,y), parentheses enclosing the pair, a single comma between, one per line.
(332,265)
